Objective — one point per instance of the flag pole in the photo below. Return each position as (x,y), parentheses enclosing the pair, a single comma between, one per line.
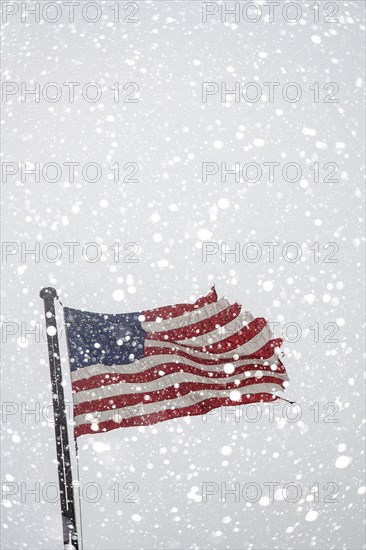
(69,527)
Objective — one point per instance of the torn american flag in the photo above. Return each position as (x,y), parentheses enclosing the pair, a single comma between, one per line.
(134,369)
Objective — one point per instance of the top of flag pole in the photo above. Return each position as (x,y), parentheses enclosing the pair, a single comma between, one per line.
(48,293)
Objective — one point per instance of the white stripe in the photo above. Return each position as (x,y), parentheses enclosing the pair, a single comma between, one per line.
(126,388)
(188,318)
(177,403)
(155,360)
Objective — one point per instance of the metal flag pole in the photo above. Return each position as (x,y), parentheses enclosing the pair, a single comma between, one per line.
(69,525)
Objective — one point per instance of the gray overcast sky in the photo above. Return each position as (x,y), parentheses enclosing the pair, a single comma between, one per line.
(151,137)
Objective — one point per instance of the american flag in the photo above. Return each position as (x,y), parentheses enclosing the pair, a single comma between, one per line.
(136,369)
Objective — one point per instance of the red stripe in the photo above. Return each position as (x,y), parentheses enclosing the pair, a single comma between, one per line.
(244,335)
(171,392)
(168,312)
(200,327)
(263,353)
(153,418)
(267,350)
(169,368)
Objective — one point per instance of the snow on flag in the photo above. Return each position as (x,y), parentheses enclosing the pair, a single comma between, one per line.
(136,369)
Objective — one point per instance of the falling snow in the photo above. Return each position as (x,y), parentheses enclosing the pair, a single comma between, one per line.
(160,224)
